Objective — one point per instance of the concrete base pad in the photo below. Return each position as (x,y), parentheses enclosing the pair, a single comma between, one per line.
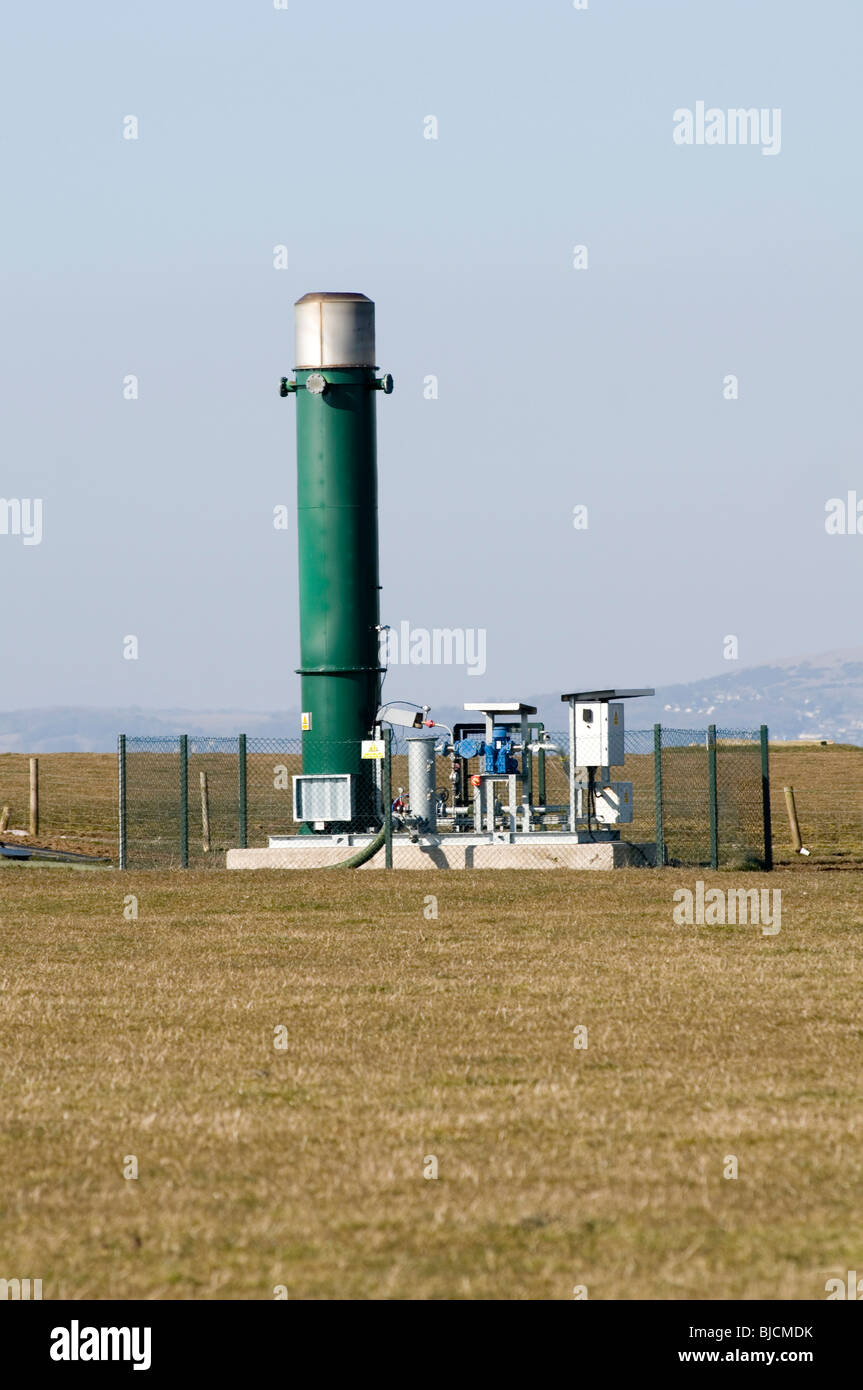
(610,854)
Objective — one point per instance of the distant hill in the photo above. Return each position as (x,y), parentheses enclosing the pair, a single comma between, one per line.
(815,697)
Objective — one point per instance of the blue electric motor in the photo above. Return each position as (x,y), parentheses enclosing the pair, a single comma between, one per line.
(499,756)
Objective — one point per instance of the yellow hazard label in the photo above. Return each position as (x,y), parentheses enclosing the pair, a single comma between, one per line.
(372,748)
(305,722)
(615,716)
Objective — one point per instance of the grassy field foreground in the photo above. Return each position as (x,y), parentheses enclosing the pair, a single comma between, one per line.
(410,1036)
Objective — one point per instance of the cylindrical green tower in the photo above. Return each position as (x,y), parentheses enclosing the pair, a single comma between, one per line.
(337,522)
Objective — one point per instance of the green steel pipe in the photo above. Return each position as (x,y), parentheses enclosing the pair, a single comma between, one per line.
(121,798)
(337,523)
(657,795)
(714,797)
(184,801)
(242,793)
(387,791)
(765,799)
(540,765)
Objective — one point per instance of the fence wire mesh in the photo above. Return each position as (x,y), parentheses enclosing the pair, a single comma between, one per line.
(698,795)
(153,802)
(740,798)
(731,833)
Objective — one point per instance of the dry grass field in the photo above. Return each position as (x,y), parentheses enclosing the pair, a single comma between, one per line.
(410,1036)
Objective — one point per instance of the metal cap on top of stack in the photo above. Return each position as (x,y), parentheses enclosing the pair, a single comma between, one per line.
(334,330)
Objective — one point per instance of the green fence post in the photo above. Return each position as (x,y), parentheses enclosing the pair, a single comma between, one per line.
(657,794)
(184,801)
(242,791)
(714,801)
(527,773)
(121,798)
(528,767)
(765,800)
(388,799)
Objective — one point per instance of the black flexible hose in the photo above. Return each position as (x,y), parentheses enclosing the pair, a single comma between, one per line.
(363,855)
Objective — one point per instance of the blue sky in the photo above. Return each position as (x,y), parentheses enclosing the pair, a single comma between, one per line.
(557,387)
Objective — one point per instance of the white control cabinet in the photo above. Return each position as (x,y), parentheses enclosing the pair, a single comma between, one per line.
(599,734)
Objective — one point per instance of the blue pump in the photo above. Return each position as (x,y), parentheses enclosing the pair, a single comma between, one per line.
(499,754)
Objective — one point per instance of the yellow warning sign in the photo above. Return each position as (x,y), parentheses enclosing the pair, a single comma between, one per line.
(306,722)
(372,748)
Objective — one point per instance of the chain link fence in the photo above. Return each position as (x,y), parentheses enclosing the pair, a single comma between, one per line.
(713,797)
(702,797)
(185,801)
(78,797)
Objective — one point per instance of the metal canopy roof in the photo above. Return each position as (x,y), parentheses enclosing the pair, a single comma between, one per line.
(503,707)
(604,694)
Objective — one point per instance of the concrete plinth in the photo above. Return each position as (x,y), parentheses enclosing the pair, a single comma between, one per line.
(450,853)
